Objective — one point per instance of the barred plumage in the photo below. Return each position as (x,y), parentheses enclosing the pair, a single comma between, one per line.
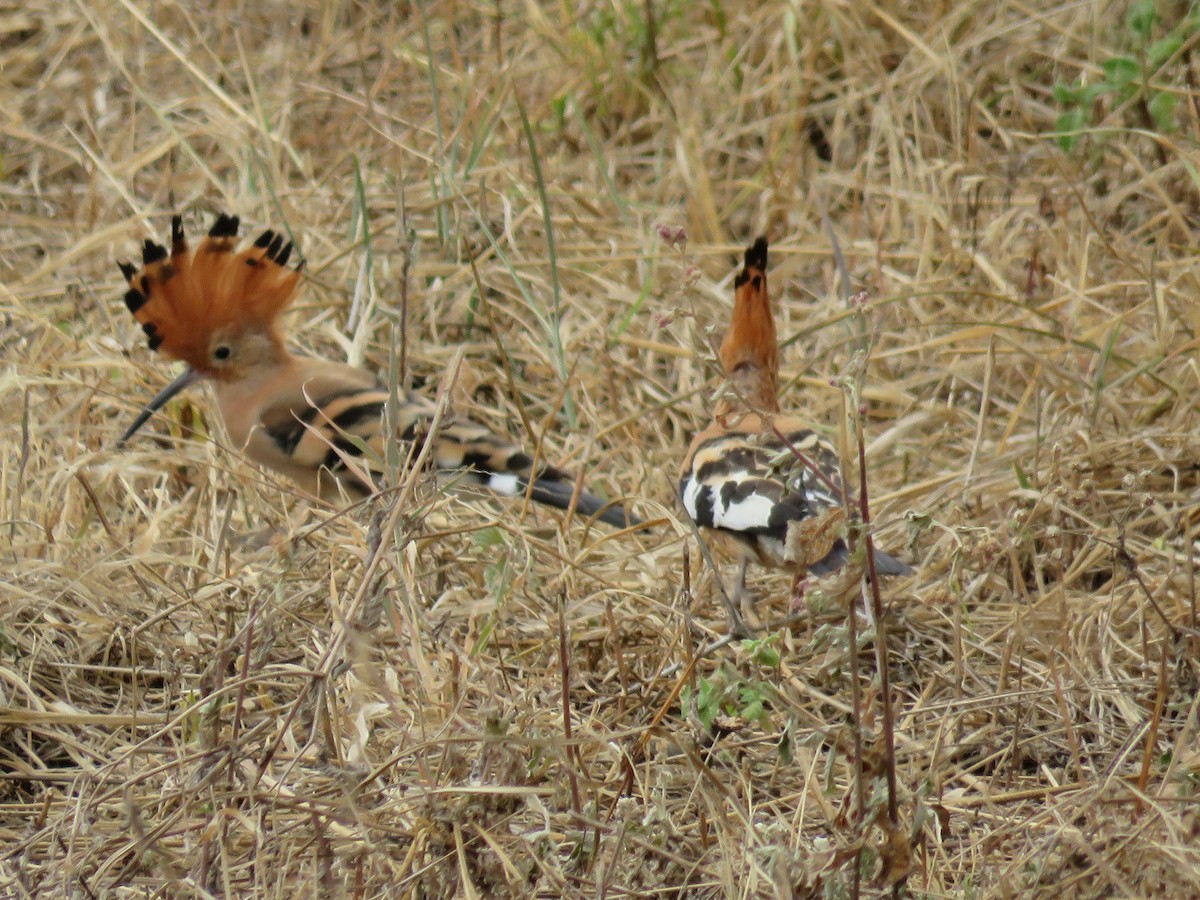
(312,420)
(779,498)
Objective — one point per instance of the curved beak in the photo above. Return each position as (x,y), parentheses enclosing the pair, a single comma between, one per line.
(187,377)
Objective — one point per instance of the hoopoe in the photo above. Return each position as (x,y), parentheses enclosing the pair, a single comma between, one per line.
(217,309)
(780,500)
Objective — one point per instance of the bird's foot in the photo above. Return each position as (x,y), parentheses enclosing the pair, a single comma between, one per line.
(743,619)
(800,586)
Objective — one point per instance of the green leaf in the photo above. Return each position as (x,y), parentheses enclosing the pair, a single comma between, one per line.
(1162,50)
(1088,95)
(761,651)
(754,711)
(750,694)
(484,636)
(1066,94)
(558,109)
(1141,19)
(1022,478)
(767,656)
(785,746)
(1162,110)
(919,521)
(1067,126)
(1120,71)
(708,706)
(496,578)
(489,537)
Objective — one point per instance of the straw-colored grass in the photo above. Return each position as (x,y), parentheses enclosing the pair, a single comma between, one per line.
(212,686)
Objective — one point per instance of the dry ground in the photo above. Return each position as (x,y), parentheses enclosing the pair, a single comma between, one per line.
(214,687)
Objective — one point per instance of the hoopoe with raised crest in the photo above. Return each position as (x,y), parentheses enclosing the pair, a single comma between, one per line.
(217,309)
(779,499)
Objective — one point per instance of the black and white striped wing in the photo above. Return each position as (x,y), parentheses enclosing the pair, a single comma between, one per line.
(783,502)
(338,434)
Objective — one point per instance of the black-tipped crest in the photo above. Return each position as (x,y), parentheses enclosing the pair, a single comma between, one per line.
(135,299)
(276,250)
(152,252)
(756,259)
(185,296)
(756,254)
(749,351)
(225,226)
(155,339)
(178,241)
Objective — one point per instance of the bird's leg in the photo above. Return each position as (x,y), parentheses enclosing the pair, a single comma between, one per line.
(741,602)
(747,619)
(799,587)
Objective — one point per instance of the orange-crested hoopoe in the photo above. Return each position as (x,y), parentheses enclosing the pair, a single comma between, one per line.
(779,499)
(217,309)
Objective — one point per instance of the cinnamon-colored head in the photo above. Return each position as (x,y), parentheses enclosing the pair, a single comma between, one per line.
(208,306)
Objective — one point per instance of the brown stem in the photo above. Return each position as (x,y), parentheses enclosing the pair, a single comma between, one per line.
(888,724)
(564,660)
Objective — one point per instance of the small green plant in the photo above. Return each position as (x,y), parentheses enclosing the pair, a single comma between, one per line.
(498,574)
(614,50)
(630,24)
(761,651)
(497,578)
(726,693)
(1128,77)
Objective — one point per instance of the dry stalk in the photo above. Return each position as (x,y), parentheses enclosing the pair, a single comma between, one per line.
(1029,396)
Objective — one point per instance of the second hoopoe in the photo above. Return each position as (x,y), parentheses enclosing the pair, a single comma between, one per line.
(779,499)
(217,309)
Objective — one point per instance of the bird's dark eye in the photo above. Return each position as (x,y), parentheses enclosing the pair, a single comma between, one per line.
(222,352)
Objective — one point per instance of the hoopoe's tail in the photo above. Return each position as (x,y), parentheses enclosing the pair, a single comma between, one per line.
(559,494)
(508,470)
(885,563)
(554,488)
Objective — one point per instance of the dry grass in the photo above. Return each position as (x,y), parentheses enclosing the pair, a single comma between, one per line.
(212,687)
